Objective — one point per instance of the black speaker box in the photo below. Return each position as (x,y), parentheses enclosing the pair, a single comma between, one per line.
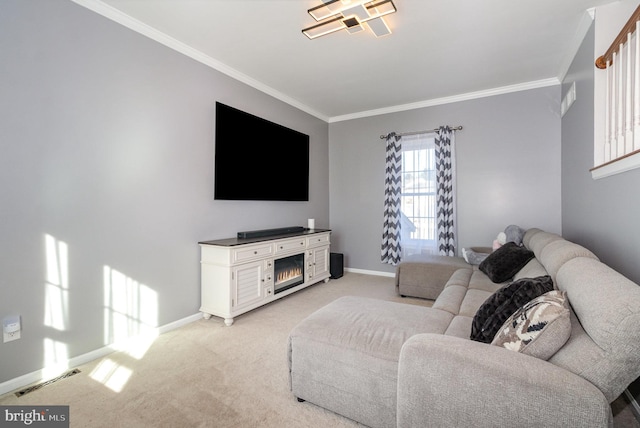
(270,232)
(336,266)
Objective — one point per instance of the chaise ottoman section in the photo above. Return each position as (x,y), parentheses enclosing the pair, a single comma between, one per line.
(426,275)
(344,357)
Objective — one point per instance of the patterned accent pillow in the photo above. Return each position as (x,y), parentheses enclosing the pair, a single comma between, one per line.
(493,313)
(539,328)
(505,262)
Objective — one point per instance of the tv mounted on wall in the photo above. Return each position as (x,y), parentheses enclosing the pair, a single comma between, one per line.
(258,160)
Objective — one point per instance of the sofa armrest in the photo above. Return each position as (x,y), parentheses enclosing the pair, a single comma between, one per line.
(446,381)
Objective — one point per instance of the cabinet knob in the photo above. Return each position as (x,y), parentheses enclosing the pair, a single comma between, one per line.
(255,252)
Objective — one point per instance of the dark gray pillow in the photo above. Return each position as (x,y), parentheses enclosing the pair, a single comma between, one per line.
(493,313)
(505,262)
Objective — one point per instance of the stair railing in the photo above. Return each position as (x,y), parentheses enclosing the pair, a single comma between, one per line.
(622,104)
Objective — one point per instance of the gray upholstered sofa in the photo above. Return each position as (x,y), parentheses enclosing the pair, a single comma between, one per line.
(387,364)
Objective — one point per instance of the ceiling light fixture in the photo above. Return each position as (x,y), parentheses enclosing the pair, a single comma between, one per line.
(350,15)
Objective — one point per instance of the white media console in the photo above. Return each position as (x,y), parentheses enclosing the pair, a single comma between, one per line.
(241,274)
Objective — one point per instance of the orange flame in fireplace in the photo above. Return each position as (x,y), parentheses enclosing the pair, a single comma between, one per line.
(289,274)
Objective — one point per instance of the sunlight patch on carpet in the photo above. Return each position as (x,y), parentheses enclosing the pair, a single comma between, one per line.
(111,374)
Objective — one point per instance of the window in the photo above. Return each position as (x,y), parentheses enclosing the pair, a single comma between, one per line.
(419,195)
(418,200)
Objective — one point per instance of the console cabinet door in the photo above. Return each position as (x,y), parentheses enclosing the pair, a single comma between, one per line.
(321,261)
(317,262)
(247,284)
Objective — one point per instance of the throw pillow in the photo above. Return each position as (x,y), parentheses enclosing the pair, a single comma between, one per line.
(505,262)
(539,328)
(514,233)
(493,313)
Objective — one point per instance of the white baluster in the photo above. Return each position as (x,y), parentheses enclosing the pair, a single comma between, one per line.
(607,116)
(620,107)
(636,92)
(613,150)
(628,148)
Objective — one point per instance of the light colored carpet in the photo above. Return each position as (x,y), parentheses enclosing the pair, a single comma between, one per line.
(207,375)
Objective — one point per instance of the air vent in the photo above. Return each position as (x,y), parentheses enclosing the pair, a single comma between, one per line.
(50,381)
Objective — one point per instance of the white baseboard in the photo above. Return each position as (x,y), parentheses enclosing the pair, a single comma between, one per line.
(179,323)
(370,272)
(39,375)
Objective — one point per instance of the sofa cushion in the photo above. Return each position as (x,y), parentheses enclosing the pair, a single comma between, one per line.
(505,262)
(557,253)
(480,281)
(493,313)
(460,327)
(539,328)
(472,300)
(532,269)
(536,240)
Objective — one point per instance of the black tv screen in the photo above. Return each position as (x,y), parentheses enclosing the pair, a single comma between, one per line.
(258,160)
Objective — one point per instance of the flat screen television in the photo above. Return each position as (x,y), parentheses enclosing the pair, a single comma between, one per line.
(258,160)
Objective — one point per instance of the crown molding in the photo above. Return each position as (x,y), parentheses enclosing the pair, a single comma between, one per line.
(121,18)
(116,15)
(453,99)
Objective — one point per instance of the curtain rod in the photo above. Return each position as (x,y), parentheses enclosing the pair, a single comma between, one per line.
(453,128)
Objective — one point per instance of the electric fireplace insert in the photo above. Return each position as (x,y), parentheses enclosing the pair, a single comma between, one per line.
(288,272)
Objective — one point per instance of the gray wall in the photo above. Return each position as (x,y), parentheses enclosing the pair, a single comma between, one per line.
(107,144)
(599,214)
(508,158)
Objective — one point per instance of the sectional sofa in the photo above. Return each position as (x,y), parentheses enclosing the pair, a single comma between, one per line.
(388,364)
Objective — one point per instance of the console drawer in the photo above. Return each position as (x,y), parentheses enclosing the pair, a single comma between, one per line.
(290,245)
(318,240)
(251,252)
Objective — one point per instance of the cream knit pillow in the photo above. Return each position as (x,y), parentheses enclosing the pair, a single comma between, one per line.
(539,328)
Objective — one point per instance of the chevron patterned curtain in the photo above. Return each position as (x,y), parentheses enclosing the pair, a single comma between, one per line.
(446,192)
(391,249)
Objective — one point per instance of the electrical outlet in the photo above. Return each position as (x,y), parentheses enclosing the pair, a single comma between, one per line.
(11,328)
(8,337)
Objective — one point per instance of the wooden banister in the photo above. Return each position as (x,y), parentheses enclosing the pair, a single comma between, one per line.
(629,27)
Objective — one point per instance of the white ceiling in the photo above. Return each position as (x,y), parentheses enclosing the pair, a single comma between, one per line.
(440,49)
